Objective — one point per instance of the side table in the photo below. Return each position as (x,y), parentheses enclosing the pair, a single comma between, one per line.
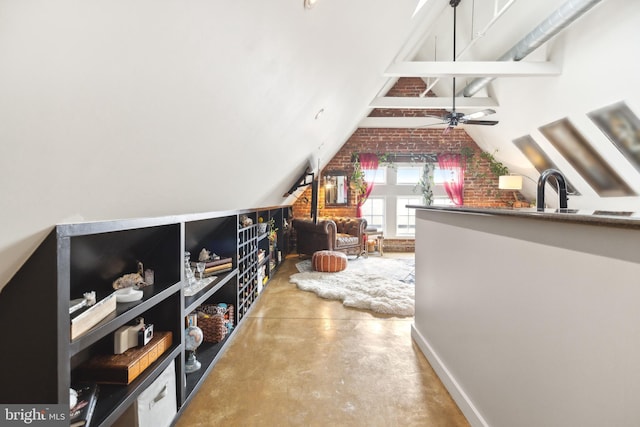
(373,235)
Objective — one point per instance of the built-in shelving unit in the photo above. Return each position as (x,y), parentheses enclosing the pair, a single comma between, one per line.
(41,361)
(273,244)
(217,233)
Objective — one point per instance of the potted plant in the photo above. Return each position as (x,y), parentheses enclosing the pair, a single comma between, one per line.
(273,235)
(358,183)
(262,226)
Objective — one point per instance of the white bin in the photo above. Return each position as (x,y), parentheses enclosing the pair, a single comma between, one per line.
(156,406)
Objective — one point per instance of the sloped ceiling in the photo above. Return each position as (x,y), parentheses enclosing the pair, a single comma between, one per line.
(575,78)
(116,108)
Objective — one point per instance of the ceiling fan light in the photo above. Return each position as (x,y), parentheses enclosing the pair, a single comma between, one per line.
(308,4)
(479,114)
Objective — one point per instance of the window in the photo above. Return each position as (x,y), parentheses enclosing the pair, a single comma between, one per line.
(395,188)
(406,217)
(440,196)
(373,212)
(440,176)
(408,175)
(442,201)
(378,176)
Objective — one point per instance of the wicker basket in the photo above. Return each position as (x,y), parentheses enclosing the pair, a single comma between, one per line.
(215,321)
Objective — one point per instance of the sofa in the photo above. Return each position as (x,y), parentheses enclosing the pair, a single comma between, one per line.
(343,234)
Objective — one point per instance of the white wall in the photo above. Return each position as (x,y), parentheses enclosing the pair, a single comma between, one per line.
(598,69)
(116,108)
(531,322)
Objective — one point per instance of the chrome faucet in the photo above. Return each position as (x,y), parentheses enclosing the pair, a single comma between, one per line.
(562,188)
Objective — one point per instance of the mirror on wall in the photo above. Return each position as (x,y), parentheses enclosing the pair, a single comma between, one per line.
(336,188)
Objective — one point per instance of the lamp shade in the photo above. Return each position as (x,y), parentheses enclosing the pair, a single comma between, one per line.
(510,182)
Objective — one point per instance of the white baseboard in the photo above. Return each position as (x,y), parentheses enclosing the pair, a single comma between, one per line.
(464,403)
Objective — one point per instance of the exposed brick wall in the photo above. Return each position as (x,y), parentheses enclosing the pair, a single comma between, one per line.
(301,208)
(407,87)
(481,186)
(399,245)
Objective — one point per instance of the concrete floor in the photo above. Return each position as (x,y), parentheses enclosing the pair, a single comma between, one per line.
(299,360)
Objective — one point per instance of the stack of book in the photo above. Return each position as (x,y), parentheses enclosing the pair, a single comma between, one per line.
(87,317)
(82,411)
(221,265)
(124,368)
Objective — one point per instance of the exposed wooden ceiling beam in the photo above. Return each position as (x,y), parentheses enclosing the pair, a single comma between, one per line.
(472,69)
(431,103)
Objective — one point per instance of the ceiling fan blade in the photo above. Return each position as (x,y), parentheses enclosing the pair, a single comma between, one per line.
(481,122)
(432,124)
(479,114)
(433,116)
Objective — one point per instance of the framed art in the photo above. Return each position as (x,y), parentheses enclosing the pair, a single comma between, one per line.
(336,188)
(585,159)
(622,127)
(539,159)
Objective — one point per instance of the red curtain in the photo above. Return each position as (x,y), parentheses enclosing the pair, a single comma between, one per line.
(368,161)
(455,187)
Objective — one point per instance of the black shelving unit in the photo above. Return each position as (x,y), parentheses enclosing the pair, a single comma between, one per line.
(78,258)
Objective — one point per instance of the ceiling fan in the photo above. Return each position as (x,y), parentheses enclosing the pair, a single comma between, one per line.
(454,118)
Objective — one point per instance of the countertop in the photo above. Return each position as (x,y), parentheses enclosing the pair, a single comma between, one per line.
(593,217)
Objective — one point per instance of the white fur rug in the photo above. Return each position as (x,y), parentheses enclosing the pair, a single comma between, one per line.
(383,285)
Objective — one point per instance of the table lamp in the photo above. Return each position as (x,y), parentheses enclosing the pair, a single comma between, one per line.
(511,182)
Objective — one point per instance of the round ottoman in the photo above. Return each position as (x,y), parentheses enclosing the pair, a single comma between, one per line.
(329,261)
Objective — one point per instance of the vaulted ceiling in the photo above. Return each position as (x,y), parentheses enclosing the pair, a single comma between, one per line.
(118,108)
(535,64)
